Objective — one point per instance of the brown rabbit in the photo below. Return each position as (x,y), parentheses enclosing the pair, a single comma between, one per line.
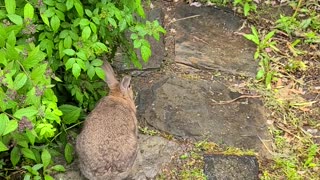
(107,145)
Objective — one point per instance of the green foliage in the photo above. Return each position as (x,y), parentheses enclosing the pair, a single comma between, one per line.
(50,72)
(248,6)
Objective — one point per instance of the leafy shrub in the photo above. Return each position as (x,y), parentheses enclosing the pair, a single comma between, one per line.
(50,73)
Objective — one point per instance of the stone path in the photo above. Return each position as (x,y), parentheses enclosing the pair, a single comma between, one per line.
(195,97)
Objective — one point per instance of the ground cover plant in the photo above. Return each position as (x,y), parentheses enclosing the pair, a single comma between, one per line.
(50,75)
(287,36)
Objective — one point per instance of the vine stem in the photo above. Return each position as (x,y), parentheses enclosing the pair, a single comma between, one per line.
(55,137)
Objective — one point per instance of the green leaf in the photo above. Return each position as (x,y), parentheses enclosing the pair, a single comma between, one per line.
(140,10)
(86,32)
(67,42)
(10,6)
(82,55)
(76,70)
(268,80)
(97,62)
(27,176)
(11,40)
(27,153)
(100,73)
(122,25)
(71,113)
(81,64)
(31,134)
(134,36)
(93,27)
(55,23)
(58,168)
(68,153)
(84,22)
(69,52)
(27,112)
(15,156)
(70,63)
(69,4)
(36,167)
(48,177)
(45,158)
(11,126)
(145,53)
(3,122)
(45,19)
(79,8)
(269,36)
(136,43)
(246,9)
(15,19)
(88,12)
(20,81)
(34,58)
(260,74)
(3,147)
(91,72)
(28,11)
(37,74)
(252,38)
(112,22)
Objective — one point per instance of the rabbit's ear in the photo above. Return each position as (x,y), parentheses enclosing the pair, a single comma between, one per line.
(125,84)
(110,78)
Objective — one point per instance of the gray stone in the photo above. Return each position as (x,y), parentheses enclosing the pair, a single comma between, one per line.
(122,62)
(226,167)
(190,109)
(205,39)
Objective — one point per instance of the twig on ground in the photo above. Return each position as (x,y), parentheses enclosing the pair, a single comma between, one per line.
(189,17)
(235,99)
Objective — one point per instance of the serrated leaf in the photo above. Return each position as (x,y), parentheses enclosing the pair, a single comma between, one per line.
(27,112)
(145,53)
(10,6)
(45,158)
(69,52)
(3,147)
(28,154)
(86,32)
(100,73)
(76,70)
(68,153)
(79,8)
(34,57)
(20,81)
(15,19)
(11,126)
(55,23)
(28,11)
(15,156)
(70,113)
(69,4)
(58,168)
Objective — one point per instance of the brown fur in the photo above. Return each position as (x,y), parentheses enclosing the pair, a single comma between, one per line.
(107,145)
